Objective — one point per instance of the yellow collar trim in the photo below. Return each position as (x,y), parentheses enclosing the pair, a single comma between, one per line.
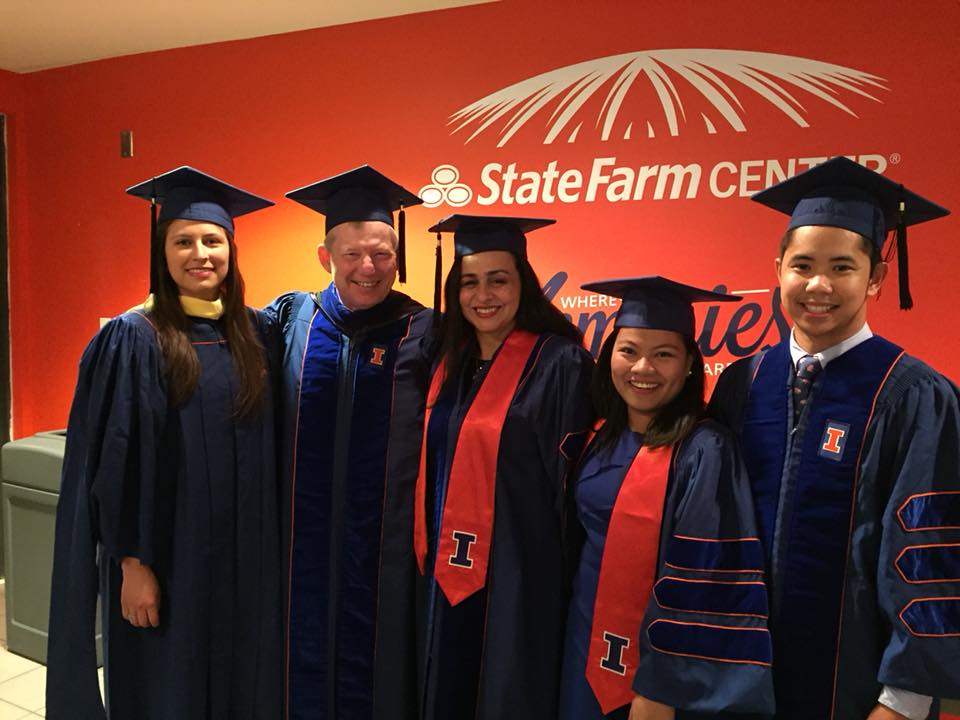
(194,307)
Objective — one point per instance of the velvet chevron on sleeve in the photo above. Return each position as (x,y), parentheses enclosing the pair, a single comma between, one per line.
(858,510)
(704,647)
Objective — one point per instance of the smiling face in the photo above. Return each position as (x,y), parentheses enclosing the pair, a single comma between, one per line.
(362,257)
(648,369)
(198,257)
(825,282)
(490,296)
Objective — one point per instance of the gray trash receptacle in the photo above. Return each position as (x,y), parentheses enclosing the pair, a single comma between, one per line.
(29,492)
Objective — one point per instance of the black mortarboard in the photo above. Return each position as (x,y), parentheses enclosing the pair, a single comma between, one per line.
(185,193)
(357,195)
(842,193)
(482,233)
(188,194)
(656,303)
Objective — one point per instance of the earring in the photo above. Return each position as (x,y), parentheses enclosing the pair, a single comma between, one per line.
(689,372)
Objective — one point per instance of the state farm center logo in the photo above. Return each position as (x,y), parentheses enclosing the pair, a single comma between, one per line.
(571,104)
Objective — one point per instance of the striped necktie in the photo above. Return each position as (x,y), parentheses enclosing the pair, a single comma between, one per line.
(807,369)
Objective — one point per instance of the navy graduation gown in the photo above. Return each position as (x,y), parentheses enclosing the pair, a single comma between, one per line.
(497,654)
(354,390)
(858,509)
(694,601)
(189,491)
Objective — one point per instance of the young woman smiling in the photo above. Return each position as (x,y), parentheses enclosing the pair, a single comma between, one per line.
(508,412)
(169,486)
(668,614)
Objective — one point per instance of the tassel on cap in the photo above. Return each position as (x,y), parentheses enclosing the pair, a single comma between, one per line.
(153,235)
(903,262)
(437,283)
(402,245)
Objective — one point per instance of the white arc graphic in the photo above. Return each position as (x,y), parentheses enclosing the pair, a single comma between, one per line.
(775,78)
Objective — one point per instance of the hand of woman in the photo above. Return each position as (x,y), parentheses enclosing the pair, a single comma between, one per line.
(139,594)
(643,709)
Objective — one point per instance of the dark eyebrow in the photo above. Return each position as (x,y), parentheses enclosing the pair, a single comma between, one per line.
(661,346)
(188,236)
(847,258)
(489,273)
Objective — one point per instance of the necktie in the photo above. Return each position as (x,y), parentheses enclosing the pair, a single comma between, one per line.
(807,369)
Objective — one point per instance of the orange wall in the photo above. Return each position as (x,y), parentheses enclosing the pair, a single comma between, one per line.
(271,114)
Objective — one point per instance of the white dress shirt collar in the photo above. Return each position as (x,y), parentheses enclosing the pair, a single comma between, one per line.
(834,351)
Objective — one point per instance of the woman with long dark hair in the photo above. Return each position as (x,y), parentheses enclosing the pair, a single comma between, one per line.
(668,615)
(169,487)
(508,413)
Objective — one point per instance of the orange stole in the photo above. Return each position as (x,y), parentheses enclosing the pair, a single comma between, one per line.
(463,548)
(627,572)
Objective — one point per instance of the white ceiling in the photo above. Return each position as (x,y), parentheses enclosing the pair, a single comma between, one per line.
(39,34)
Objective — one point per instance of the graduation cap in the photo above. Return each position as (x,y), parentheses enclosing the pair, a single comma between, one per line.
(185,193)
(656,303)
(842,193)
(482,233)
(357,195)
